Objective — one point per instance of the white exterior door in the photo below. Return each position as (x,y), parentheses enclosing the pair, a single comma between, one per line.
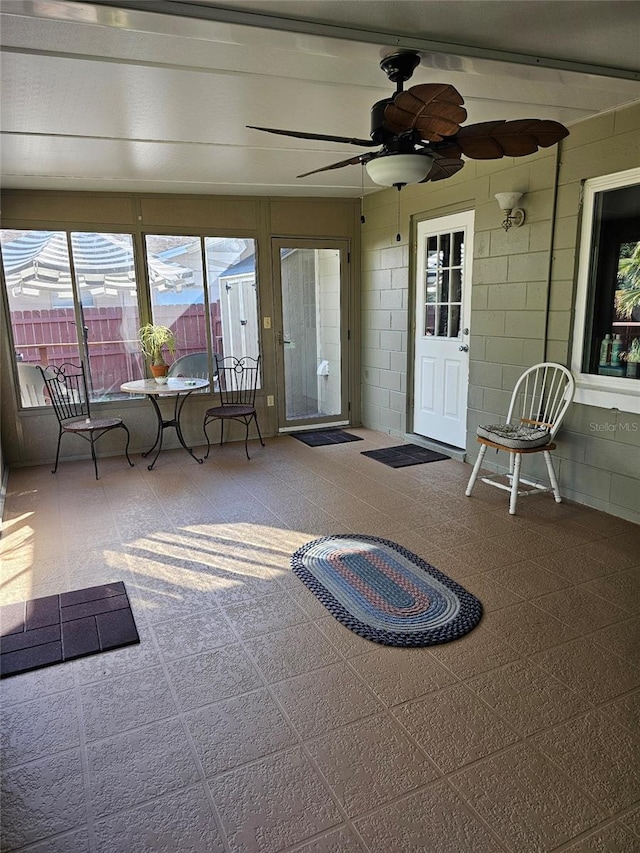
(443,307)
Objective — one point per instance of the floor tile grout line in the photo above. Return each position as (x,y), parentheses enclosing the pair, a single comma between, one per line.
(592,830)
(180,715)
(567,775)
(534,655)
(187,734)
(84,758)
(300,745)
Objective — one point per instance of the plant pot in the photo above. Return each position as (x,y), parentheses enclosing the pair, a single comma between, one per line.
(160,373)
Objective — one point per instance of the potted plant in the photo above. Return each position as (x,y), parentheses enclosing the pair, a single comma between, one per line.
(632,357)
(153,341)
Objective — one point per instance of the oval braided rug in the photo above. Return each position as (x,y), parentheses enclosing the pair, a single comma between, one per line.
(384,592)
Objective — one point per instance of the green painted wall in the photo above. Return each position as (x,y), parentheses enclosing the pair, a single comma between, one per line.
(522,300)
(29,435)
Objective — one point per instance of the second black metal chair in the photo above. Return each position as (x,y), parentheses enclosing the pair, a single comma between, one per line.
(67,389)
(238,382)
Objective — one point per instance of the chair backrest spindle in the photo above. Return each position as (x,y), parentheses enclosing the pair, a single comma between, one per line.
(67,390)
(238,380)
(541,396)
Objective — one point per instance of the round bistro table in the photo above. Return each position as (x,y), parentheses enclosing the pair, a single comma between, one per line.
(175,387)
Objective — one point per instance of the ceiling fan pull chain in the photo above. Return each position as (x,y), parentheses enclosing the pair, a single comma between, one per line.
(362,219)
(398,238)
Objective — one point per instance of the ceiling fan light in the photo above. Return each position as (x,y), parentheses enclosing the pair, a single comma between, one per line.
(392,170)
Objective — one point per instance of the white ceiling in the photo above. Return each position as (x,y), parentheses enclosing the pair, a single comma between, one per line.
(100,97)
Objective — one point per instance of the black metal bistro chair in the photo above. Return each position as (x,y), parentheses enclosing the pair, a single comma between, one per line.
(238,382)
(67,389)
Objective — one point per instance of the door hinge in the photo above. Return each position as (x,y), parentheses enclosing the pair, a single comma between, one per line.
(348,334)
(349,407)
(348,257)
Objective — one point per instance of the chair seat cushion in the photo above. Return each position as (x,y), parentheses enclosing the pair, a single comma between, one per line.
(93,424)
(229,411)
(517,436)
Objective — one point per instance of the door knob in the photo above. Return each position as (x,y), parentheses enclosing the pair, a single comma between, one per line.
(464,348)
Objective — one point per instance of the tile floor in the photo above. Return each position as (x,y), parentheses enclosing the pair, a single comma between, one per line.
(249,721)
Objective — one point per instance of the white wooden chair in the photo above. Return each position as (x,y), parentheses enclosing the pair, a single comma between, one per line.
(538,404)
(32,386)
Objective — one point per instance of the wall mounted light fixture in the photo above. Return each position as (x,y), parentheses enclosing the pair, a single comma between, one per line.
(513,215)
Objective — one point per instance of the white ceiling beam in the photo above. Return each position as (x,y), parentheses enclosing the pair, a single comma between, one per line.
(296,25)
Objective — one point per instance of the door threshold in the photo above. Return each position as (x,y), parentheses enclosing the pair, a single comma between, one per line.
(308,427)
(458,453)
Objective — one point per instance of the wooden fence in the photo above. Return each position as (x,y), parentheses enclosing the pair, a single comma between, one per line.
(50,337)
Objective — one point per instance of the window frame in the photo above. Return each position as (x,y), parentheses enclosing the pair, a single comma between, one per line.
(143,285)
(606,392)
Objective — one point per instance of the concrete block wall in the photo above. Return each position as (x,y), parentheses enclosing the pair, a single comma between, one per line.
(599,448)
(522,301)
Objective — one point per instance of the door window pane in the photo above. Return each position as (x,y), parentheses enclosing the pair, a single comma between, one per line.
(458,249)
(445,250)
(430,320)
(311,291)
(445,257)
(444,287)
(454,322)
(456,285)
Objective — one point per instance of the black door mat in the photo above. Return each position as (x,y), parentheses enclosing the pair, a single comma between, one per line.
(404,455)
(57,628)
(321,437)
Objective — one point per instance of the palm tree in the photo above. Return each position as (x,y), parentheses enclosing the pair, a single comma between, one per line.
(628,297)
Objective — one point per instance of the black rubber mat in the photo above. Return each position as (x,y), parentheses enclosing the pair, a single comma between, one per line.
(321,437)
(57,628)
(404,455)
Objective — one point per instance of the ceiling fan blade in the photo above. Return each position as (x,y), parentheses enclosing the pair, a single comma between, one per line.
(443,167)
(360,158)
(491,140)
(298,134)
(433,109)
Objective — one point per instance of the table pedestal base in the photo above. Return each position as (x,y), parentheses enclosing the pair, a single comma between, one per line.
(162,425)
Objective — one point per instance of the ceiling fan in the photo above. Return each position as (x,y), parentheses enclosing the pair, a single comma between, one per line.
(419,136)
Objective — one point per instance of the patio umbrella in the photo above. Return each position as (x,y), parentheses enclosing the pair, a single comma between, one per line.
(39,261)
